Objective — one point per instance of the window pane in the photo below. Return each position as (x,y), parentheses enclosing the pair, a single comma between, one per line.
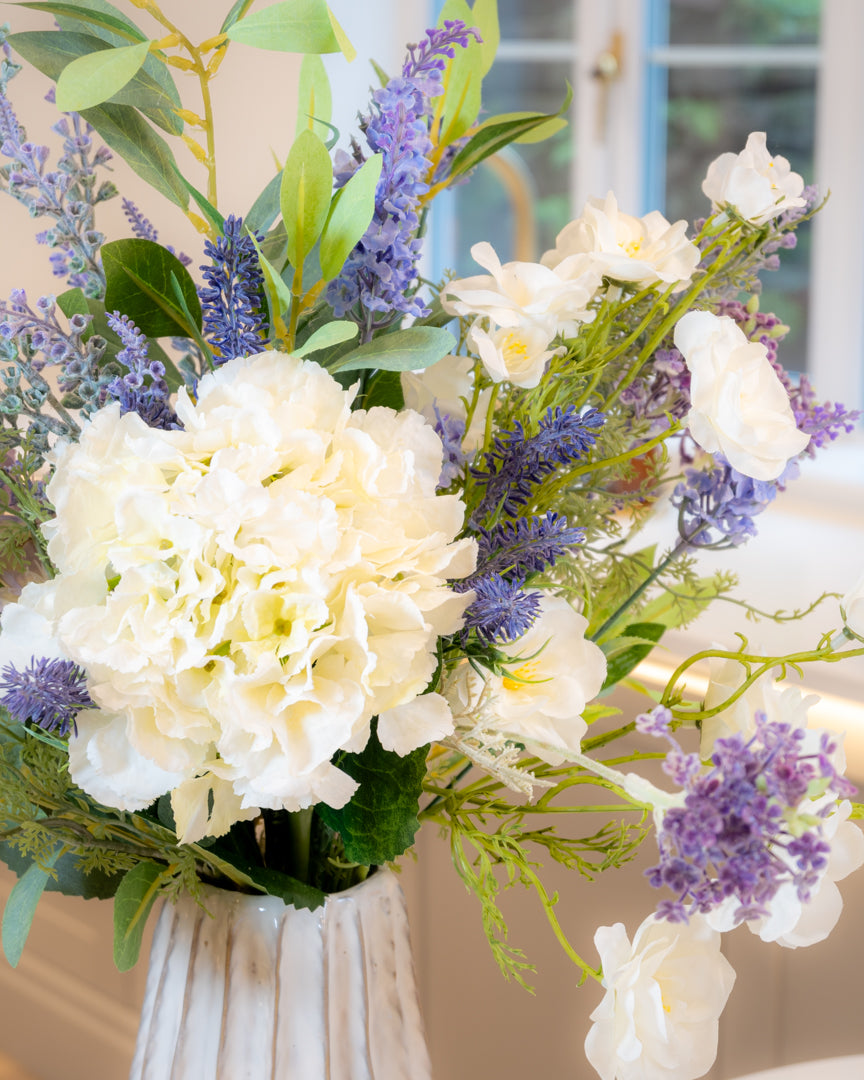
(743,22)
(713,110)
(533,20)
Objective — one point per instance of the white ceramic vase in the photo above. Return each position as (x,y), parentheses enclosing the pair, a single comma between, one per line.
(257,990)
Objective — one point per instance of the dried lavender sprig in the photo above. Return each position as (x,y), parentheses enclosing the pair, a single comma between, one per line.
(525,546)
(143,390)
(144,229)
(230,302)
(502,610)
(48,692)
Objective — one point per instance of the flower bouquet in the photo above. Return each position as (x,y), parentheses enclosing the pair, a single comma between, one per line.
(306,551)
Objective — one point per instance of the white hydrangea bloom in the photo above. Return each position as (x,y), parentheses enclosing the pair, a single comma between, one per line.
(738,404)
(639,251)
(664,996)
(247,593)
(754,184)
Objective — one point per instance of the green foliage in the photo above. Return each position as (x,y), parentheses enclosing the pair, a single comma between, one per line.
(138,275)
(635,643)
(314,98)
(102,14)
(97,77)
(402,350)
(133,900)
(462,80)
(331,333)
(349,216)
(21,907)
(380,821)
(298,26)
(307,180)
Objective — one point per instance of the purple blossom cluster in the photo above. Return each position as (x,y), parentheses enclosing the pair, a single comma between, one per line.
(716,505)
(747,824)
(822,421)
(518,463)
(231,299)
(380,274)
(451,431)
(48,692)
(502,610)
(143,390)
(144,229)
(662,394)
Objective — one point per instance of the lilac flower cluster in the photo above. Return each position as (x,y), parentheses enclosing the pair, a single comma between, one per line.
(48,692)
(824,421)
(502,610)
(451,431)
(231,300)
(380,274)
(68,194)
(518,463)
(746,825)
(144,229)
(144,389)
(716,506)
(662,394)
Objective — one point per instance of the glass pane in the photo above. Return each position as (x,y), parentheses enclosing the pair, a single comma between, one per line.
(744,22)
(712,110)
(549,20)
(485,209)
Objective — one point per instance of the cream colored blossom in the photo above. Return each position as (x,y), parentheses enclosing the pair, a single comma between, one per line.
(517,354)
(448,387)
(754,184)
(664,996)
(739,407)
(852,605)
(639,251)
(247,593)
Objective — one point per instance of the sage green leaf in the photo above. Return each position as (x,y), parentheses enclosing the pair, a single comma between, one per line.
(95,78)
(265,209)
(50,52)
(298,26)
(494,134)
(623,662)
(537,134)
(304,198)
(380,821)
(484,16)
(214,218)
(349,217)
(103,15)
(73,302)
(384,388)
(68,879)
(348,50)
(314,97)
(138,274)
(237,10)
(463,79)
(136,142)
(294,892)
(21,907)
(332,333)
(132,903)
(403,350)
(278,294)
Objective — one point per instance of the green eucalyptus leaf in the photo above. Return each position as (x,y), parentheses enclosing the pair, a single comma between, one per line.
(103,15)
(298,26)
(214,218)
(132,903)
(95,78)
(265,209)
(331,333)
(50,52)
(304,197)
(73,302)
(144,151)
(350,213)
(138,274)
(403,350)
(384,388)
(21,907)
(294,892)
(495,133)
(380,821)
(234,14)
(348,50)
(463,79)
(278,294)
(314,97)
(536,134)
(484,16)
(621,663)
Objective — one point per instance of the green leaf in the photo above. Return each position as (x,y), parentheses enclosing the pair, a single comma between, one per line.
(380,821)
(207,208)
(278,294)
(304,198)
(136,142)
(463,79)
(385,388)
(484,16)
(68,879)
(623,662)
(537,134)
(332,333)
(73,302)
(138,274)
(50,52)
(21,907)
(95,78)
(234,14)
(105,16)
(348,50)
(403,350)
(265,209)
(350,213)
(494,134)
(688,602)
(298,26)
(314,97)
(132,903)
(287,888)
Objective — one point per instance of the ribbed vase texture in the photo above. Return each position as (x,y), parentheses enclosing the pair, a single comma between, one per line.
(257,990)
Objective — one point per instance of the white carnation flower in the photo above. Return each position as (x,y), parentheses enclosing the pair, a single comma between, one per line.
(639,251)
(754,184)
(247,593)
(738,404)
(664,996)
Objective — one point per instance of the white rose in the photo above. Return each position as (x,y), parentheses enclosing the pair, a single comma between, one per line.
(852,605)
(738,404)
(754,184)
(540,703)
(664,996)
(640,251)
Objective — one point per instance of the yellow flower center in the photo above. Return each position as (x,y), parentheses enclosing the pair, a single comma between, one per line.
(523,675)
(513,347)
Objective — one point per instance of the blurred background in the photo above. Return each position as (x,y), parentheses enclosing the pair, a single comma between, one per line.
(661,87)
